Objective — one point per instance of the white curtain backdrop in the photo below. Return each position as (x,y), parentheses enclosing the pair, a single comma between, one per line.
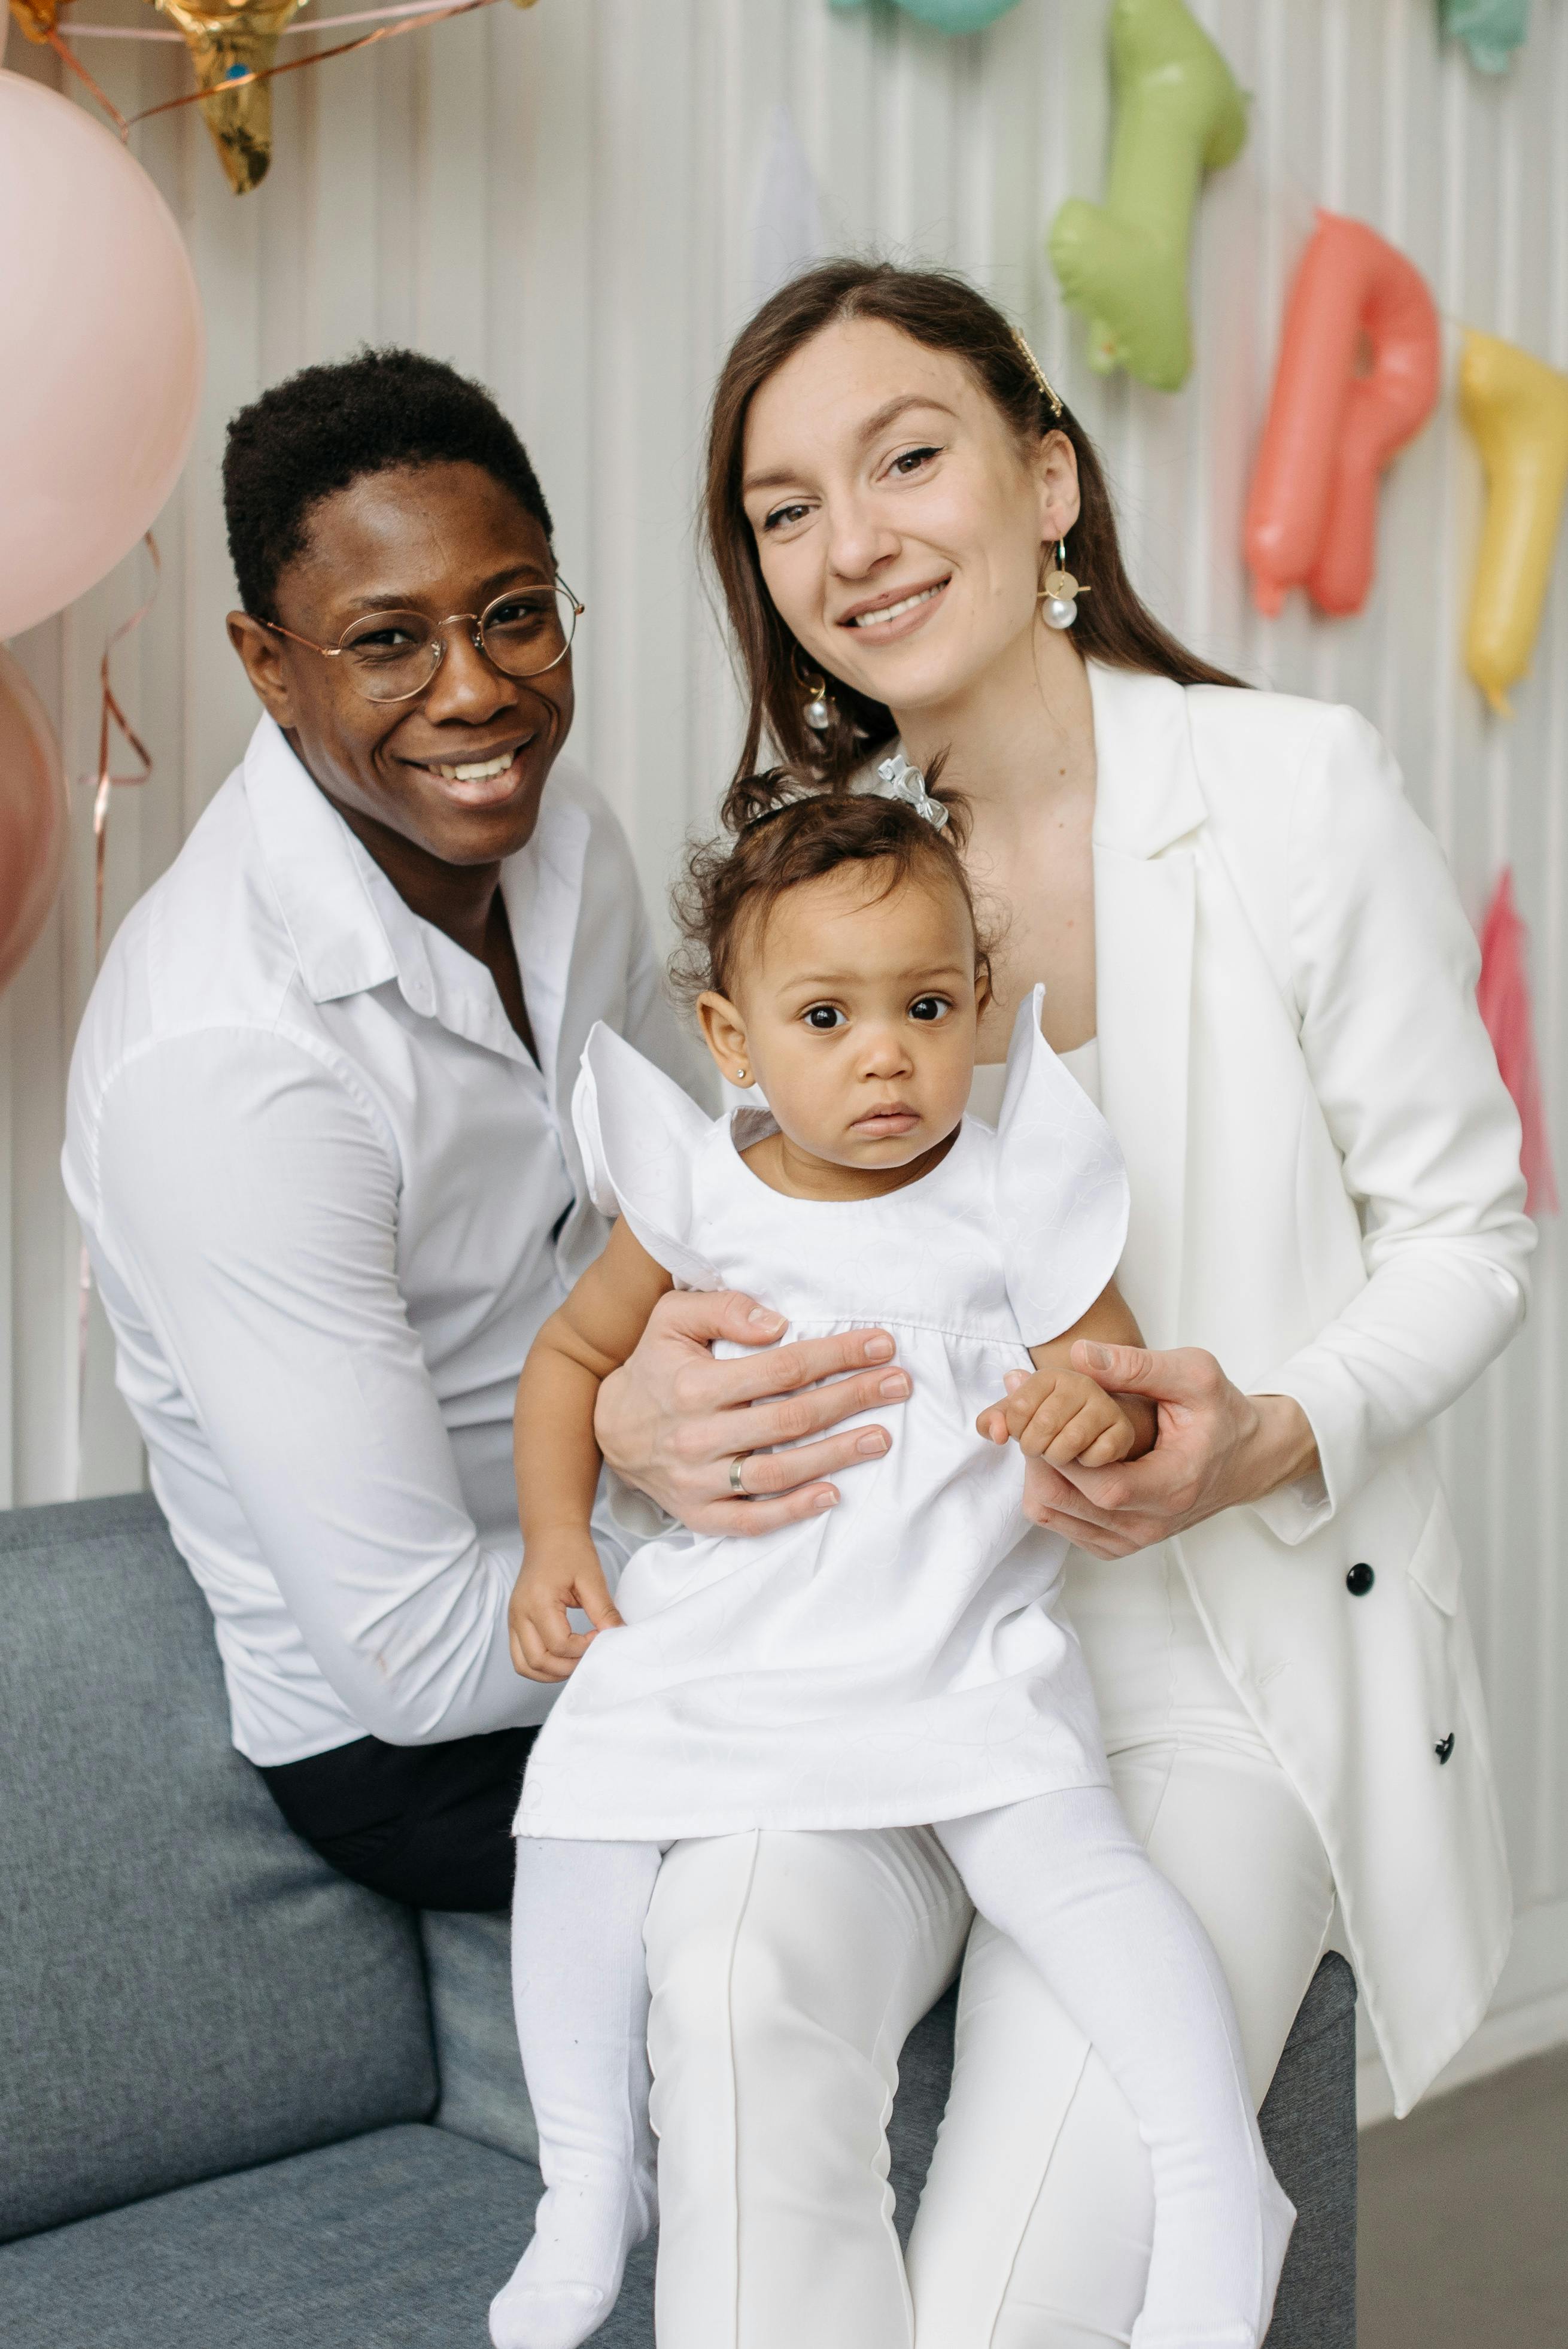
(577,203)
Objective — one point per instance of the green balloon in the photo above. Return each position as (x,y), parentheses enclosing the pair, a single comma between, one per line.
(948,16)
(1179,114)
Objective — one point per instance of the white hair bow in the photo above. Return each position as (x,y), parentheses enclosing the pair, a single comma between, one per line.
(897,780)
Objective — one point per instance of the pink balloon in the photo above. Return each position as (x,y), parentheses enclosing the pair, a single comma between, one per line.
(101,348)
(34,816)
(1312,515)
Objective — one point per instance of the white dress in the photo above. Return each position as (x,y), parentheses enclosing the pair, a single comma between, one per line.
(901,1658)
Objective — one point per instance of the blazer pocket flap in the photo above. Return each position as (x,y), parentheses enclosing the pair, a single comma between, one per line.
(1435,1565)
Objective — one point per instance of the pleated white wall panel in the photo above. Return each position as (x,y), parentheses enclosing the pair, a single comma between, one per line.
(564,202)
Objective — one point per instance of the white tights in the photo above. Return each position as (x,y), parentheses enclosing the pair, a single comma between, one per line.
(579,1994)
(1063,1877)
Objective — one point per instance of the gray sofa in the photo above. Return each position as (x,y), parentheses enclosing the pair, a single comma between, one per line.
(245,2105)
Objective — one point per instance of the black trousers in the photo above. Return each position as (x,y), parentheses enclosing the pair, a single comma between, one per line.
(431,1824)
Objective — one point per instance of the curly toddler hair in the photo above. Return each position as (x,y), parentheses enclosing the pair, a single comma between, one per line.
(777,835)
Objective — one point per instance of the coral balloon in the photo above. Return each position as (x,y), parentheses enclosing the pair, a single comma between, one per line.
(1517,409)
(1312,515)
(100,352)
(34,816)
(1177,115)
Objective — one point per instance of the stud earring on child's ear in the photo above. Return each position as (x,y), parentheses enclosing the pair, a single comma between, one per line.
(740,1076)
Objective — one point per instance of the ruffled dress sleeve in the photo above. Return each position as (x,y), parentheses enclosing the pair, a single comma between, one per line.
(639,1135)
(1061,1193)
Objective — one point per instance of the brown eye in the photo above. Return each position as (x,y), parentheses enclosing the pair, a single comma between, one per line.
(823,1017)
(930,1008)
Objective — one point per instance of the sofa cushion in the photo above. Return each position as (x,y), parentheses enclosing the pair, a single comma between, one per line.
(1308,2124)
(394,2241)
(468,1963)
(184,1987)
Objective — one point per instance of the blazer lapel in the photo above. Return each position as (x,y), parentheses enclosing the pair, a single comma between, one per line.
(1148,805)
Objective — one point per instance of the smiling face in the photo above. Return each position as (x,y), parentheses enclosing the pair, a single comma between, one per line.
(856,1007)
(458,772)
(899,523)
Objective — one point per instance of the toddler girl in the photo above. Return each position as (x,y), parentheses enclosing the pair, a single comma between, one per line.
(896,1659)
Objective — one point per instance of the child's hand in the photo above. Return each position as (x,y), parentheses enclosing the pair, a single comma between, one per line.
(559,1570)
(1063,1417)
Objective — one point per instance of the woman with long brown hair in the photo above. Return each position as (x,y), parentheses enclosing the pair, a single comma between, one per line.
(1254,956)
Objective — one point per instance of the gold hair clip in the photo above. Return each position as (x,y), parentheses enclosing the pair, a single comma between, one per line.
(1037,371)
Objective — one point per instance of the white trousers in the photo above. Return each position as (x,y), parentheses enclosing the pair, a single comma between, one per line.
(787,1970)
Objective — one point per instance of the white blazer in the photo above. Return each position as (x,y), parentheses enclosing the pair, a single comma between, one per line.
(1325,1194)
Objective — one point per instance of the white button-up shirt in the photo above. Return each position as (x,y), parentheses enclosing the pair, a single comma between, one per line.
(329,1198)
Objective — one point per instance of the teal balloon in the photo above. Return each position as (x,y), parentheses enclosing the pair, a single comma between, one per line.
(948,16)
(1490,29)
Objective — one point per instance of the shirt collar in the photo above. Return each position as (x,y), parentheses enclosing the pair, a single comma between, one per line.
(351,931)
(338,937)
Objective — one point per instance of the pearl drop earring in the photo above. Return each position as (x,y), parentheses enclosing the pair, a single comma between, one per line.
(817,711)
(816,708)
(1058,591)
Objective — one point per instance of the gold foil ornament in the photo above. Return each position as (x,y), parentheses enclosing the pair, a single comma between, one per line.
(225,43)
(232,45)
(38,18)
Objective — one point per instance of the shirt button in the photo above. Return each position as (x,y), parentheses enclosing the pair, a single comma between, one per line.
(1445,1747)
(1359,1581)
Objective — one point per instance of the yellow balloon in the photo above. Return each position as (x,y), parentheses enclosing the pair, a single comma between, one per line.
(1517,409)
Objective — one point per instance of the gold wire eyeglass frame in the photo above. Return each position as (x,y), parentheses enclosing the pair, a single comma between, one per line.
(368,623)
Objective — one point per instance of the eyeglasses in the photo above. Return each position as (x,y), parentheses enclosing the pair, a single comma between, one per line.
(393,656)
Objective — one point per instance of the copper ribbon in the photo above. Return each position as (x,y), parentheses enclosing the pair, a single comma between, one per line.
(126,123)
(111,717)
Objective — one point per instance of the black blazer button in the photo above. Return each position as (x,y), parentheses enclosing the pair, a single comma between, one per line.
(1359,1581)
(1444,1746)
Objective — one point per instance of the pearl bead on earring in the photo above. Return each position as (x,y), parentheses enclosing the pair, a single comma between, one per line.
(1059,592)
(740,1074)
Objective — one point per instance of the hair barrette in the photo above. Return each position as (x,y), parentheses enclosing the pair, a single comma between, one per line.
(1037,371)
(897,780)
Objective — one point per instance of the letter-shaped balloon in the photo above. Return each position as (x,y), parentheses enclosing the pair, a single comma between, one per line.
(1490,29)
(34,816)
(1312,515)
(948,16)
(1177,115)
(1517,409)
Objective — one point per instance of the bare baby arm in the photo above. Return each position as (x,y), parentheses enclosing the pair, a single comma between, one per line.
(557,1457)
